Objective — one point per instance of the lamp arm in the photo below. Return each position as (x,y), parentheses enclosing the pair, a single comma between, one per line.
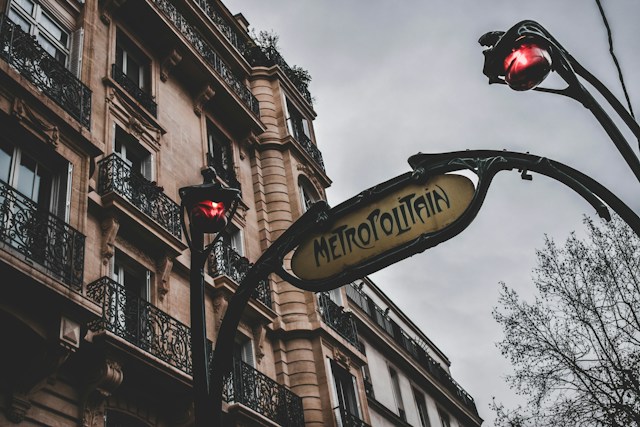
(606,93)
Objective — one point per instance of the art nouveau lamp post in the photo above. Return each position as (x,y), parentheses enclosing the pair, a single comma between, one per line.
(208,207)
(524,56)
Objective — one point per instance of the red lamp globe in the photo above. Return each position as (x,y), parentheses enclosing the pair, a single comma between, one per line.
(527,65)
(208,216)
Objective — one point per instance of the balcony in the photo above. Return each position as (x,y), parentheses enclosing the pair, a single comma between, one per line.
(310,148)
(210,8)
(41,237)
(414,348)
(133,319)
(225,173)
(208,54)
(143,98)
(260,393)
(114,175)
(271,57)
(23,53)
(336,318)
(347,419)
(224,260)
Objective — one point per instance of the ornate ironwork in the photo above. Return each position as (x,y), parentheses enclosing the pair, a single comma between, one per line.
(412,346)
(41,237)
(128,316)
(23,52)
(209,7)
(226,173)
(339,320)
(269,57)
(350,420)
(209,54)
(224,260)
(310,148)
(145,99)
(116,176)
(247,386)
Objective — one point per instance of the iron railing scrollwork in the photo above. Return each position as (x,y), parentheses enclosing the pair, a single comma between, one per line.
(417,349)
(224,260)
(339,320)
(209,54)
(115,175)
(310,148)
(127,315)
(24,53)
(269,57)
(249,387)
(347,419)
(226,173)
(41,237)
(145,99)
(209,7)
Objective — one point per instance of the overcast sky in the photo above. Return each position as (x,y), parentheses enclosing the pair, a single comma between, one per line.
(393,78)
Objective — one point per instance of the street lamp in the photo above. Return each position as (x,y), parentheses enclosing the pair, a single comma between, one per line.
(208,207)
(522,58)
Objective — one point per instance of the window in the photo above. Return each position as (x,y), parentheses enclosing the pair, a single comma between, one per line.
(133,63)
(307,194)
(38,22)
(130,151)
(421,405)
(220,156)
(243,350)
(127,301)
(345,389)
(48,187)
(335,295)
(444,418)
(297,125)
(397,394)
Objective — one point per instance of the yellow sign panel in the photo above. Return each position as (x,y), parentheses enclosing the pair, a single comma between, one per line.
(387,223)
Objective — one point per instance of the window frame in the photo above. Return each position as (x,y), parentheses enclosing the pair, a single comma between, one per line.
(131,51)
(421,403)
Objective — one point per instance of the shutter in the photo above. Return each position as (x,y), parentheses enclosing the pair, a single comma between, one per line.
(288,117)
(305,128)
(146,292)
(247,353)
(146,167)
(75,56)
(67,201)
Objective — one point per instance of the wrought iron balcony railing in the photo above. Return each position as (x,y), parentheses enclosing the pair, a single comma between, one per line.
(310,148)
(411,345)
(260,393)
(347,419)
(339,320)
(210,8)
(132,88)
(41,237)
(224,260)
(209,54)
(24,53)
(114,175)
(269,57)
(127,315)
(226,173)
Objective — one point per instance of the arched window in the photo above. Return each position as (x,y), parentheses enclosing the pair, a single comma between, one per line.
(308,194)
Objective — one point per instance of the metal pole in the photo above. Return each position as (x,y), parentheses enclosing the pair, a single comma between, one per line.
(199,360)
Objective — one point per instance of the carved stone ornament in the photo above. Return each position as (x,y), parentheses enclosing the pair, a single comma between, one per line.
(110,228)
(310,175)
(106,379)
(169,63)
(136,123)
(204,96)
(21,110)
(163,276)
(220,304)
(108,8)
(341,358)
(259,335)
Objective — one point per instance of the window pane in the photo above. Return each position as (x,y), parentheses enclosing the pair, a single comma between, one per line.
(27,177)
(53,29)
(52,49)
(6,152)
(26,5)
(22,23)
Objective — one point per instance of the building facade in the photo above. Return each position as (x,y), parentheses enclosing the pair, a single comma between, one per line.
(107,108)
